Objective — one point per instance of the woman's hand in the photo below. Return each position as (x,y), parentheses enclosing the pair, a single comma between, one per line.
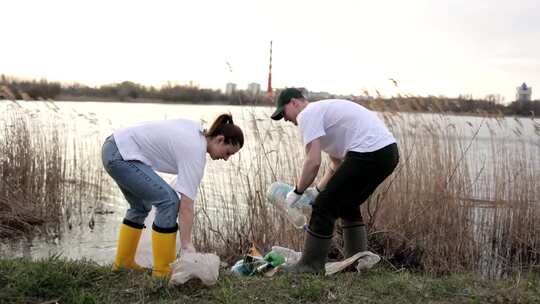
(189,248)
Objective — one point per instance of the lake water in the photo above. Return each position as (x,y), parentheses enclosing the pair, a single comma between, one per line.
(97,241)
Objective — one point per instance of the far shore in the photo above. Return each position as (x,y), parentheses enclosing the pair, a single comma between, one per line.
(63,97)
(72,98)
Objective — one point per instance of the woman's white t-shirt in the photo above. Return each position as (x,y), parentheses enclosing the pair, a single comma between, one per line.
(170,146)
(342,126)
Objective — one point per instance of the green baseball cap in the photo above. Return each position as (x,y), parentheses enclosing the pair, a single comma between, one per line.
(284,98)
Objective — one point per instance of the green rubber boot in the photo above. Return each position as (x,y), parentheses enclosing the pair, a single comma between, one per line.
(354,237)
(313,257)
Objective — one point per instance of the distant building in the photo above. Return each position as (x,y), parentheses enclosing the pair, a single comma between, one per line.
(254,89)
(230,88)
(523,92)
(362,98)
(318,95)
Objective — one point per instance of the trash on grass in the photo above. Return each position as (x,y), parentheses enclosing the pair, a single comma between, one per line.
(203,266)
(255,264)
(366,260)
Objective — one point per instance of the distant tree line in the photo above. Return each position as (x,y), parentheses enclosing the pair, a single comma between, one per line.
(22,89)
(124,91)
(454,105)
(172,93)
(130,91)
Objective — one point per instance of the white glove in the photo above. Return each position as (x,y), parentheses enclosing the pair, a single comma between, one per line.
(291,198)
(312,192)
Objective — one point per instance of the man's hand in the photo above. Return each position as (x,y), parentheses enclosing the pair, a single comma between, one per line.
(312,191)
(291,198)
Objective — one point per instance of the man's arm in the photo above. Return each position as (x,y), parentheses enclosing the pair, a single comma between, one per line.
(311,165)
(336,162)
(187,214)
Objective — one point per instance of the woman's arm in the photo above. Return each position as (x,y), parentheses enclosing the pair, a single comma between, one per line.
(187,215)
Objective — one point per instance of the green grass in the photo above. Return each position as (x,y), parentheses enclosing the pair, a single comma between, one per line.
(59,280)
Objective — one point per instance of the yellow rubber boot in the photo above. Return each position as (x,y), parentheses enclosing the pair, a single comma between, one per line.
(128,240)
(164,251)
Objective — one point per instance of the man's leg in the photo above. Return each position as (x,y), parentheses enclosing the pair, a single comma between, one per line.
(372,169)
(354,237)
(325,211)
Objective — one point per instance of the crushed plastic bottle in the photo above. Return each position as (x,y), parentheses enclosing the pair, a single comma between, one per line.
(248,265)
(257,265)
(278,191)
(276,194)
(291,256)
(273,260)
(296,216)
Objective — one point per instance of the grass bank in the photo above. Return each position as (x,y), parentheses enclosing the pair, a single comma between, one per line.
(56,280)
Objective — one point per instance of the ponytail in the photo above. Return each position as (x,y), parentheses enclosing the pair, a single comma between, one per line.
(224,125)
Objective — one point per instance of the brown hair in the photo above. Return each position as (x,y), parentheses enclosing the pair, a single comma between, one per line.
(224,125)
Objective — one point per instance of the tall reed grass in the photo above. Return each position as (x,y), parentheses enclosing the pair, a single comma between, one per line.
(446,208)
(47,177)
(449,206)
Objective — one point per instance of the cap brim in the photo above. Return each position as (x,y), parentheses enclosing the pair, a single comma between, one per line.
(278,114)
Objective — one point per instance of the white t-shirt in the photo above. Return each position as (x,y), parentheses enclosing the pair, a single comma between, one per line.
(342,126)
(170,146)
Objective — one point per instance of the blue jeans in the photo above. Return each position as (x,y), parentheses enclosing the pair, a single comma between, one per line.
(141,187)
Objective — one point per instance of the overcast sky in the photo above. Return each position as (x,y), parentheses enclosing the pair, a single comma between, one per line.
(430,47)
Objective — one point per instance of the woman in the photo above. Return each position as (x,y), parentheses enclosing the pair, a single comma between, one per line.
(178,146)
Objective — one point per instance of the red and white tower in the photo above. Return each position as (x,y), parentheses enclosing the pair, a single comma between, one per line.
(269,91)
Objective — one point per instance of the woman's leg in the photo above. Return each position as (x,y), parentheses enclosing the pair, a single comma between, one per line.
(142,187)
(148,189)
(130,231)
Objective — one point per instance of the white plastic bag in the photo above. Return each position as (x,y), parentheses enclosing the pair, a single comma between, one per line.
(366,260)
(203,266)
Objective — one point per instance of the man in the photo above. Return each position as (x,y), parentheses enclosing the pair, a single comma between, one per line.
(363,153)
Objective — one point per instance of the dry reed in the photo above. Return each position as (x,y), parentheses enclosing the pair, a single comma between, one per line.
(427,215)
(46,177)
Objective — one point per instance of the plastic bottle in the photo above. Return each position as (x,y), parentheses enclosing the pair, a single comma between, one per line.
(273,260)
(296,216)
(276,194)
(241,269)
(291,256)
